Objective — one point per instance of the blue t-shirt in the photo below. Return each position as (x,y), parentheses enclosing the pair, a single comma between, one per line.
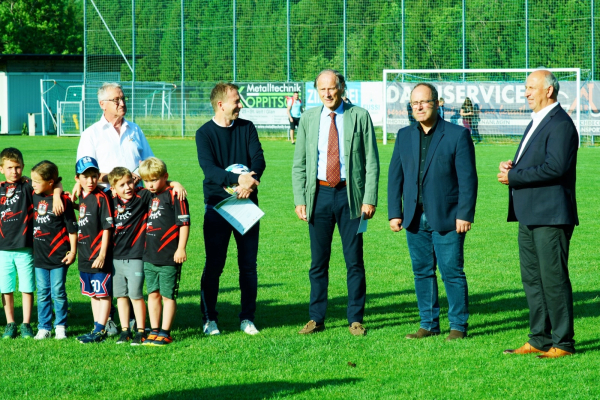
(295,111)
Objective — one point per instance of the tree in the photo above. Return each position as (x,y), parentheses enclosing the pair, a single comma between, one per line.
(41,27)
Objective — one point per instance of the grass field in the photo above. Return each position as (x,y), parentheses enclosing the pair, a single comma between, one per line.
(279,363)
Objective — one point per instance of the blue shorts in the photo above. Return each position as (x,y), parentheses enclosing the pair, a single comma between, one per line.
(96,285)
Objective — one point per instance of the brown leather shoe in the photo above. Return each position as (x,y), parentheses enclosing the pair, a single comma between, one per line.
(357,329)
(420,334)
(525,349)
(311,327)
(454,334)
(554,352)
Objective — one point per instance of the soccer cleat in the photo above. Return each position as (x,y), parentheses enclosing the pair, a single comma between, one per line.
(26,331)
(248,327)
(210,328)
(60,332)
(162,341)
(138,339)
(111,328)
(84,335)
(124,338)
(150,339)
(10,332)
(94,337)
(42,334)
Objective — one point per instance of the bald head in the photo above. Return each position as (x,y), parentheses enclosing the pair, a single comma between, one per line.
(541,89)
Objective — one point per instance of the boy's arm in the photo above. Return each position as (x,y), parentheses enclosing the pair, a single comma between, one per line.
(180,255)
(178,189)
(106,238)
(70,257)
(57,204)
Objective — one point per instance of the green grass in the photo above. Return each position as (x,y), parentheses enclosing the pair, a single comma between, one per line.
(279,363)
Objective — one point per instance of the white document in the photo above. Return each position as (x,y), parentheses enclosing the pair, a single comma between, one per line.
(242,214)
(362,226)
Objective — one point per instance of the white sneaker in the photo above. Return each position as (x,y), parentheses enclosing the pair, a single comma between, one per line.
(60,332)
(248,327)
(111,328)
(42,334)
(210,328)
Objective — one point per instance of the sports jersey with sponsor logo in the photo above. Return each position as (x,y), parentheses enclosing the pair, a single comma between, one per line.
(130,219)
(16,213)
(95,215)
(165,215)
(51,232)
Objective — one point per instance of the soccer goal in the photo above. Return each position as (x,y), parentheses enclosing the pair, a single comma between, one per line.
(491,103)
(62,106)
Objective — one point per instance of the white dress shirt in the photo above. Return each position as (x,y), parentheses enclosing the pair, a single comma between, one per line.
(110,149)
(536,117)
(324,126)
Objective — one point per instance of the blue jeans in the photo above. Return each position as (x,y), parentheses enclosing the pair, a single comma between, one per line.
(428,248)
(51,287)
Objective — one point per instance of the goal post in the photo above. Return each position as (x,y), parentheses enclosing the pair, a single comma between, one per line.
(499,110)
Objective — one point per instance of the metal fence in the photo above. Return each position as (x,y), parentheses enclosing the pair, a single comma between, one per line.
(170,52)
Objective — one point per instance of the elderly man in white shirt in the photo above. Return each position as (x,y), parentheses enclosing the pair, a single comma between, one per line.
(113,141)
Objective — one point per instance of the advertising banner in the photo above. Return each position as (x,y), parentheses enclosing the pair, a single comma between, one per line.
(265,103)
(500,107)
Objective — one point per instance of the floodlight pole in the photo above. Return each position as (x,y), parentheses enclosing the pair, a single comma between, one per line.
(464,50)
(593,43)
(403,32)
(84,65)
(288,41)
(234,40)
(133,60)
(526,34)
(183,110)
(345,44)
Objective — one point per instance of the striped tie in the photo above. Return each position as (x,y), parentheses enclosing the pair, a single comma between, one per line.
(333,155)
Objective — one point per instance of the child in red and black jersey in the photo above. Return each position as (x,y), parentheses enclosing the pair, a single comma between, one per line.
(95,246)
(54,249)
(167,233)
(16,239)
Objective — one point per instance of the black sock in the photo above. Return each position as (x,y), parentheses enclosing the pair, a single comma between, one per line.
(165,333)
(155,330)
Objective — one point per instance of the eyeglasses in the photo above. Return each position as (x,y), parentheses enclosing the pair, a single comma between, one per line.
(117,100)
(423,103)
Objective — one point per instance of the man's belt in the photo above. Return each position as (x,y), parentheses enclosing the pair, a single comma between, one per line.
(339,185)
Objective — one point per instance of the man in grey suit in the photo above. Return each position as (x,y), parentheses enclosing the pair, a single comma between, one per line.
(335,176)
(432,190)
(541,190)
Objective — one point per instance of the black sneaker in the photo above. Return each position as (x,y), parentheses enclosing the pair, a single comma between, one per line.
(138,339)
(124,338)
(10,332)
(80,338)
(94,337)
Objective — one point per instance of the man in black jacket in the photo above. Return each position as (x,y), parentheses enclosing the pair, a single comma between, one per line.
(541,181)
(432,191)
(225,140)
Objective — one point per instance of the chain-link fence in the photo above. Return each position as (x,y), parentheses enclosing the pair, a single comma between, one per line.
(169,53)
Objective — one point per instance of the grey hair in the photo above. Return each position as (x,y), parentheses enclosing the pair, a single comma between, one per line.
(550,80)
(340,81)
(434,92)
(105,87)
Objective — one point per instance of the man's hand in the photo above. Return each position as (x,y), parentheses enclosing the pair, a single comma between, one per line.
(462,226)
(137,179)
(180,256)
(99,262)
(301,212)
(503,177)
(369,210)
(505,166)
(246,185)
(396,224)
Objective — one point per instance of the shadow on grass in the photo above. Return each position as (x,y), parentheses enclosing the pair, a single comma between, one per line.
(251,390)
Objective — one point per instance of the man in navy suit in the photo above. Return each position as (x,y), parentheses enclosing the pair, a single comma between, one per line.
(541,181)
(432,190)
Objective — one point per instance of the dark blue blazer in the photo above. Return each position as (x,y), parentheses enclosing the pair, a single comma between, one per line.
(542,183)
(449,183)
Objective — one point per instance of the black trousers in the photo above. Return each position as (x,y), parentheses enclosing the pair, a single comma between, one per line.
(544,256)
(217,232)
(331,208)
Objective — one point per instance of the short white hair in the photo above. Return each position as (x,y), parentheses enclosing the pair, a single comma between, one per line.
(107,86)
